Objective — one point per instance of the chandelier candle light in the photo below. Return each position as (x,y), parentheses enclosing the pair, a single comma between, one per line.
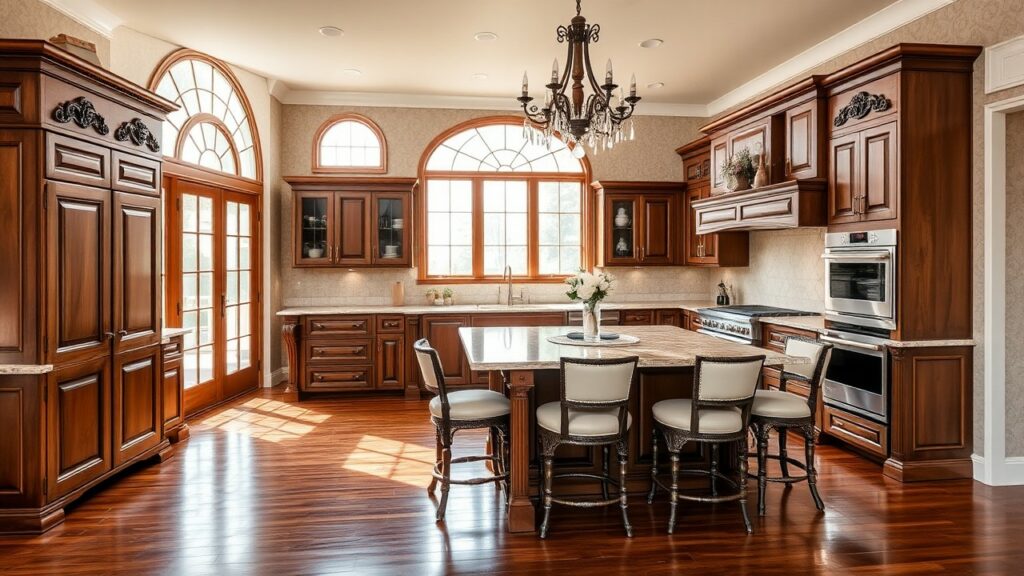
(595,120)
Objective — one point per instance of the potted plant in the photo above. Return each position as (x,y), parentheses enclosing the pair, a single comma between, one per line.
(431,296)
(590,289)
(739,170)
(449,296)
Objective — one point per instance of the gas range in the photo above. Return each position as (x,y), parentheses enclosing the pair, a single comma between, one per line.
(740,323)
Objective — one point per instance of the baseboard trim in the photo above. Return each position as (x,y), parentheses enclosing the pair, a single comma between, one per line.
(919,471)
(276,377)
(1008,473)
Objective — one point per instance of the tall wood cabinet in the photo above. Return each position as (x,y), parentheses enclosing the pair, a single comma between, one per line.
(81,288)
(352,222)
(720,249)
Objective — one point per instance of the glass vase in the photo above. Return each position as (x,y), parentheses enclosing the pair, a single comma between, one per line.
(592,321)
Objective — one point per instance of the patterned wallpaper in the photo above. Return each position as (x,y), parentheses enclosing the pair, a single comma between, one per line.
(1014,284)
(33,19)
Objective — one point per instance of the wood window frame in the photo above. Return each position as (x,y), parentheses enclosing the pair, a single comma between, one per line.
(204,118)
(588,228)
(319,168)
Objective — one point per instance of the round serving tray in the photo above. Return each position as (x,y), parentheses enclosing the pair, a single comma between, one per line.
(622,340)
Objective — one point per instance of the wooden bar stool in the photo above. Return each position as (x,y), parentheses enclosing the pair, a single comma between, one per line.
(462,410)
(718,413)
(782,410)
(592,411)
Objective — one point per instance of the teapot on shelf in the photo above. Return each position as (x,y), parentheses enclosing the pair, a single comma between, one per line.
(621,218)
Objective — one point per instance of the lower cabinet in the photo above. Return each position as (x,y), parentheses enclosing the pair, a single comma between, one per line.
(79,443)
(173,389)
(390,362)
(442,331)
(339,379)
(869,436)
(138,390)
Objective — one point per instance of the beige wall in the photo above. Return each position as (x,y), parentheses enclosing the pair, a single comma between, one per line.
(33,19)
(982,23)
(408,132)
(1014,284)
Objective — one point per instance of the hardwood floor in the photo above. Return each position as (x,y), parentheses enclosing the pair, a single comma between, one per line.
(336,486)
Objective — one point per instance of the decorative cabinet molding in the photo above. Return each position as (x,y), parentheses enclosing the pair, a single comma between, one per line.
(1004,65)
(82,112)
(860,106)
(138,133)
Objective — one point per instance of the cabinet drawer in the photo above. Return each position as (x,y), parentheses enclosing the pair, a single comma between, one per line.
(172,350)
(394,324)
(134,174)
(637,318)
(76,161)
(774,336)
(339,379)
(334,326)
(861,432)
(339,352)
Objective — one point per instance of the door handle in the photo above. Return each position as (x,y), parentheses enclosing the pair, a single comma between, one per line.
(223,305)
(330,252)
(122,333)
(108,335)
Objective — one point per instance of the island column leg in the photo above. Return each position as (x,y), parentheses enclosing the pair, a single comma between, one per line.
(520,508)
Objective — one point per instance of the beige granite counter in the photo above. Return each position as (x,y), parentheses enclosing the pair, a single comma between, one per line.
(817,324)
(492,308)
(168,333)
(659,347)
(25,369)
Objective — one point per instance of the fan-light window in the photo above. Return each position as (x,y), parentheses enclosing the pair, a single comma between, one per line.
(350,143)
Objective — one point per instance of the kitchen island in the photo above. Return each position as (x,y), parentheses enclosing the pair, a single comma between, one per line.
(522,361)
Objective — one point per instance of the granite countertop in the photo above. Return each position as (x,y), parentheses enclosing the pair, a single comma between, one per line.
(817,324)
(659,347)
(492,308)
(25,369)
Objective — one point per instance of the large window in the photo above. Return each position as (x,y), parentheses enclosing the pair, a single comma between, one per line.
(494,199)
(213,127)
(349,143)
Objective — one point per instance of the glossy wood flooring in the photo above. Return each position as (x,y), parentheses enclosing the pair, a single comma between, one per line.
(272,486)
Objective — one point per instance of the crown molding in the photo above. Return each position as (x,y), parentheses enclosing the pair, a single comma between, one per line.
(89,14)
(885,20)
(395,100)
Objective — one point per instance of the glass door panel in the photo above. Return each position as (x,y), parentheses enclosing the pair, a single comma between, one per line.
(197,288)
(623,226)
(315,245)
(391,222)
(240,308)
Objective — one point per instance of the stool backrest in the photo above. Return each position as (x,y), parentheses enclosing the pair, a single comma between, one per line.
(725,382)
(432,372)
(814,373)
(597,385)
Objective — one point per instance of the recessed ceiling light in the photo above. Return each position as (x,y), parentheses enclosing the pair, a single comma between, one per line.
(656,85)
(652,43)
(351,72)
(485,36)
(331,31)
(479,76)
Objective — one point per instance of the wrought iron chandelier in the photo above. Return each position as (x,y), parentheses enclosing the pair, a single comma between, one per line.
(595,120)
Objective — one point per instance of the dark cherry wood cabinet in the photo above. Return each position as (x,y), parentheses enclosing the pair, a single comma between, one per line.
(638,223)
(81,284)
(804,148)
(442,330)
(352,222)
(390,364)
(173,396)
(703,249)
(864,175)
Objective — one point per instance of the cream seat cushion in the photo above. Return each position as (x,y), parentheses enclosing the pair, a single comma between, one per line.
(676,413)
(777,404)
(581,422)
(472,405)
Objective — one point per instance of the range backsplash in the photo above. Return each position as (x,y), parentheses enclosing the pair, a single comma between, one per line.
(785,270)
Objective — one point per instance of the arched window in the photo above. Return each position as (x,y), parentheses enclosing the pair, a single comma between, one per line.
(213,127)
(349,143)
(493,198)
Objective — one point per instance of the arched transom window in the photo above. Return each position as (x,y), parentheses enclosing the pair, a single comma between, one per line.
(213,127)
(495,199)
(349,143)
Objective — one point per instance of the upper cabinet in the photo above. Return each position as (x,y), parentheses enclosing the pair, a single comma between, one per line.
(352,222)
(638,223)
(704,249)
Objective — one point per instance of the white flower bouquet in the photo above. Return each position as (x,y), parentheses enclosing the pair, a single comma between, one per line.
(590,289)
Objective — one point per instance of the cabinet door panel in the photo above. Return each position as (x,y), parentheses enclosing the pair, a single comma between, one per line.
(719,154)
(692,243)
(802,141)
(352,245)
(621,222)
(137,234)
(658,230)
(443,334)
(844,179)
(78,269)
(314,226)
(73,160)
(173,397)
(138,390)
(880,179)
(392,221)
(79,437)
(390,362)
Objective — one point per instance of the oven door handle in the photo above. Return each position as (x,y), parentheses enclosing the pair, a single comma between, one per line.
(871,256)
(851,343)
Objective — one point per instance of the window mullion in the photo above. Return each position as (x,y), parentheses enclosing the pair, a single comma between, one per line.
(532,226)
(478,228)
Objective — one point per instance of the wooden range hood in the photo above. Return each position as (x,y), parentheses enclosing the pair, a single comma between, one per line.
(777,206)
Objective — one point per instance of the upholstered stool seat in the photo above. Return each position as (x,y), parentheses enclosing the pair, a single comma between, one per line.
(775,404)
(678,412)
(581,422)
(472,405)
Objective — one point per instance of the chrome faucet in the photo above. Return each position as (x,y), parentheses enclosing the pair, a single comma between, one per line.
(506,276)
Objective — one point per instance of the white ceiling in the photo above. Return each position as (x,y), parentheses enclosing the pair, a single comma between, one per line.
(426,48)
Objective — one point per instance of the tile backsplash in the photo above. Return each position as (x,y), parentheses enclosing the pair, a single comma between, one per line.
(785,270)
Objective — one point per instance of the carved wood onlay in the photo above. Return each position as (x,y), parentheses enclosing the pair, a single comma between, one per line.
(860,106)
(138,133)
(82,112)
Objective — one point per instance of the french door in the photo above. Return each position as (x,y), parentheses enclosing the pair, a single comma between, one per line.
(212,287)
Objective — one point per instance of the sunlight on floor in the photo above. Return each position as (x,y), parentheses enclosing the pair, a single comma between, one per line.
(392,459)
(266,419)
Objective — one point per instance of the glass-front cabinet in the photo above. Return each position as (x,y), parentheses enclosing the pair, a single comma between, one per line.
(352,222)
(640,223)
(622,239)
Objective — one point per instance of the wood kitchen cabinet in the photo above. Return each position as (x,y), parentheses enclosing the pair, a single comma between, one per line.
(703,249)
(173,401)
(804,148)
(82,234)
(863,175)
(442,331)
(352,222)
(638,223)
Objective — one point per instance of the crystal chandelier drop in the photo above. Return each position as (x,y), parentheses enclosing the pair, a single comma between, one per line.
(595,119)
